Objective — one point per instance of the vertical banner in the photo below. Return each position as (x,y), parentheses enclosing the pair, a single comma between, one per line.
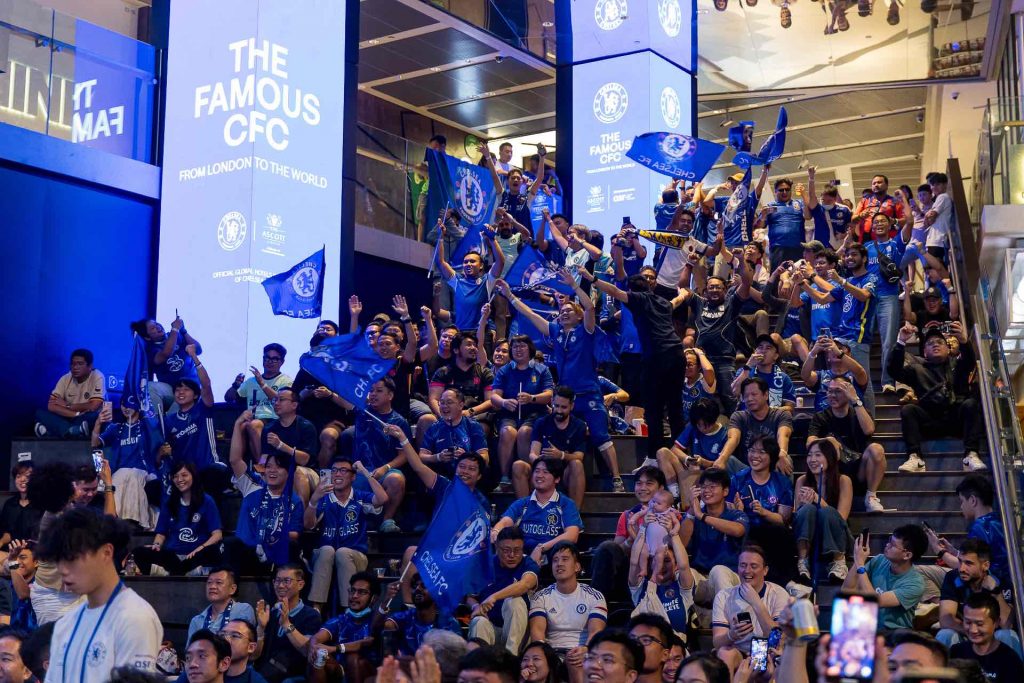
(604,28)
(252,172)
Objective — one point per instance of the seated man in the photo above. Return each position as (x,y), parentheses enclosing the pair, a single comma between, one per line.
(414,623)
(562,436)
(977,498)
(282,630)
(221,588)
(698,447)
(764,363)
(671,582)
(748,610)
(12,667)
(270,519)
(972,578)
(75,401)
(469,377)
(257,393)
(453,434)
(891,575)
(347,636)
(546,518)
(340,511)
(713,535)
(837,363)
(998,661)
(567,613)
(757,419)
(292,434)
(945,406)
(847,421)
(241,635)
(502,603)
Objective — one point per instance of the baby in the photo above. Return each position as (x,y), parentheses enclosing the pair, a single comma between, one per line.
(654,531)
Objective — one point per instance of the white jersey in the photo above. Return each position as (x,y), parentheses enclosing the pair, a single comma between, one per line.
(728,604)
(567,614)
(129,635)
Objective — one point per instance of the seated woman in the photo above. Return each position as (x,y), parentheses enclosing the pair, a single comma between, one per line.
(131,451)
(766,495)
(826,495)
(189,525)
(19,519)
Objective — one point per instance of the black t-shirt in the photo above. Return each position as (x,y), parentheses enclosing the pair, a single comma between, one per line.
(716,325)
(571,439)
(22,523)
(300,434)
(319,411)
(280,659)
(953,588)
(472,382)
(1002,665)
(846,429)
(518,206)
(652,316)
(402,374)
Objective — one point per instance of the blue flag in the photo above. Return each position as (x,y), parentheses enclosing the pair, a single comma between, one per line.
(520,325)
(346,365)
(735,216)
(532,272)
(543,200)
(674,155)
(136,379)
(771,149)
(741,137)
(469,188)
(299,291)
(453,556)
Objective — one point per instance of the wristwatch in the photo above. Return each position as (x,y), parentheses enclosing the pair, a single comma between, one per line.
(862,570)
(290,628)
(858,403)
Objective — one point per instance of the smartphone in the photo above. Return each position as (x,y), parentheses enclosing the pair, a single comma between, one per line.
(97,460)
(851,655)
(325,475)
(759,654)
(744,617)
(626,221)
(108,407)
(825,332)
(928,527)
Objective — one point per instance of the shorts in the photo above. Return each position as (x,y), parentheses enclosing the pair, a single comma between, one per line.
(360,483)
(417,409)
(589,407)
(514,421)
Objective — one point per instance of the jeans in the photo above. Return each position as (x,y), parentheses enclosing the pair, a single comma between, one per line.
(513,627)
(862,354)
(835,533)
(963,419)
(725,373)
(344,562)
(1006,636)
(887,317)
(56,425)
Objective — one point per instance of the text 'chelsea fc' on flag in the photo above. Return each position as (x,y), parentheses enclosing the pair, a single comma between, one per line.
(674,155)
(299,291)
(347,366)
(453,556)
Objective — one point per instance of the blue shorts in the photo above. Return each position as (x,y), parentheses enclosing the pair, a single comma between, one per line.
(589,407)
(360,483)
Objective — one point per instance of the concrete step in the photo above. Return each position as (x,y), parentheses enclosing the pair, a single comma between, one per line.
(885,522)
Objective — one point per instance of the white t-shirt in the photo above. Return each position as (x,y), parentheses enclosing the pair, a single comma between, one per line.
(567,614)
(257,400)
(728,604)
(939,232)
(129,635)
(675,260)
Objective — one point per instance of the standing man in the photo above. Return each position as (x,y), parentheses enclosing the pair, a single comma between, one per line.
(879,201)
(784,218)
(468,376)
(831,218)
(857,292)
(472,288)
(113,626)
(938,216)
(887,285)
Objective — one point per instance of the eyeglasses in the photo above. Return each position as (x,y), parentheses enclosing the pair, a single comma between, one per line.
(511,552)
(647,640)
(283,582)
(273,359)
(233,635)
(342,470)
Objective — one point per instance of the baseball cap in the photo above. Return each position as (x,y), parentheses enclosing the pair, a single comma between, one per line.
(190,383)
(813,245)
(933,332)
(765,338)
(738,177)
(932,293)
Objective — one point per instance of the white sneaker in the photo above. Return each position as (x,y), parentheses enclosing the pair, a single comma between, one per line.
(914,463)
(888,388)
(872,504)
(157,570)
(40,429)
(973,463)
(802,568)
(648,462)
(798,590)
(837,571)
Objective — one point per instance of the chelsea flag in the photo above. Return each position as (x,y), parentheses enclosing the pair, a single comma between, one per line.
(299,291)
(347,366)
(674,155)
(454,556)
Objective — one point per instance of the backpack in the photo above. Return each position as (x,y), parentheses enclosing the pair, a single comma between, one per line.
(888,270)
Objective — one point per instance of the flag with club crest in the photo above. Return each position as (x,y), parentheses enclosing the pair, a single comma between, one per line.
(347,366)
(674,155)
(299,291)
(468,188)
(771,149)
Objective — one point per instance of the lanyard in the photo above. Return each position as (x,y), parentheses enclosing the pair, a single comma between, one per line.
(88,644)
(225,615)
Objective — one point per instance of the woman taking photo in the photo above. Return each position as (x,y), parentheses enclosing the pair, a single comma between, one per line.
(131,451)
(823,499)
(188,531)
(19,519)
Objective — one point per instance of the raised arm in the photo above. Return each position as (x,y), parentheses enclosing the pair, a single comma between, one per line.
(355,307)
(485,151)
(236,453)
(206,393)
(762,181)
(523,310)
(812,193)
(589,313)
(426,475)
(605,287)
(446,268)
(481,335)
(497,254)
(541,168)
(172,339)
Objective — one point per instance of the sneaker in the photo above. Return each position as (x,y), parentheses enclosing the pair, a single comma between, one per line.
(199,571)
(914,463)
(872,504)
(388,526)
(864,7)
(803,570)
(786,17)
(505,485)
(973,463)
(894,13)
(888,388)
(157,570)
(837,571)
(40,429)
(618,486)
(648,462)
(798,590)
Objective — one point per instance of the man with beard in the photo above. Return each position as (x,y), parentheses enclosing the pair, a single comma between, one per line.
(560,436)
(283,630)
(412,624)
(347,636)
(877,201)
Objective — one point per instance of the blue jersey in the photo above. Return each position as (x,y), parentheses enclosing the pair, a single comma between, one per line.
(188,529)
(663,214)
(469,296)
(692,394)
(265,520)
(534,379)
(541,524)
(738,232)
(343,523)
(467,435)
(131,445)
(856,317)
(411,631)
(780,387)
(631,261)
(346,628)
(677,601)
(709,547)
(786,224)
(893,249)
(190,433)
(778,490)
(793,324)
(696,442)
(821,392)
(572,439)
(989,528)
(629,338)
(824,315)
(176,366)
(838,215)
(575,357)
(371,446)
(505,577)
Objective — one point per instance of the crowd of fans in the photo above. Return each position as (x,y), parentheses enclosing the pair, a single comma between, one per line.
(730,358)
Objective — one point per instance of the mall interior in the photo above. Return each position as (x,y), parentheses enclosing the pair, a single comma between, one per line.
(161,159)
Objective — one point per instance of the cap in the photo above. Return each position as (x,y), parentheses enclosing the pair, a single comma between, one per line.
(933,332)
(813,245)
(765,338)
(738,177)
(190,383)
(932,293)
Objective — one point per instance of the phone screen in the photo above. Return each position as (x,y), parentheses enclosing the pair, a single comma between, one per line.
(759,654)
(851,655)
